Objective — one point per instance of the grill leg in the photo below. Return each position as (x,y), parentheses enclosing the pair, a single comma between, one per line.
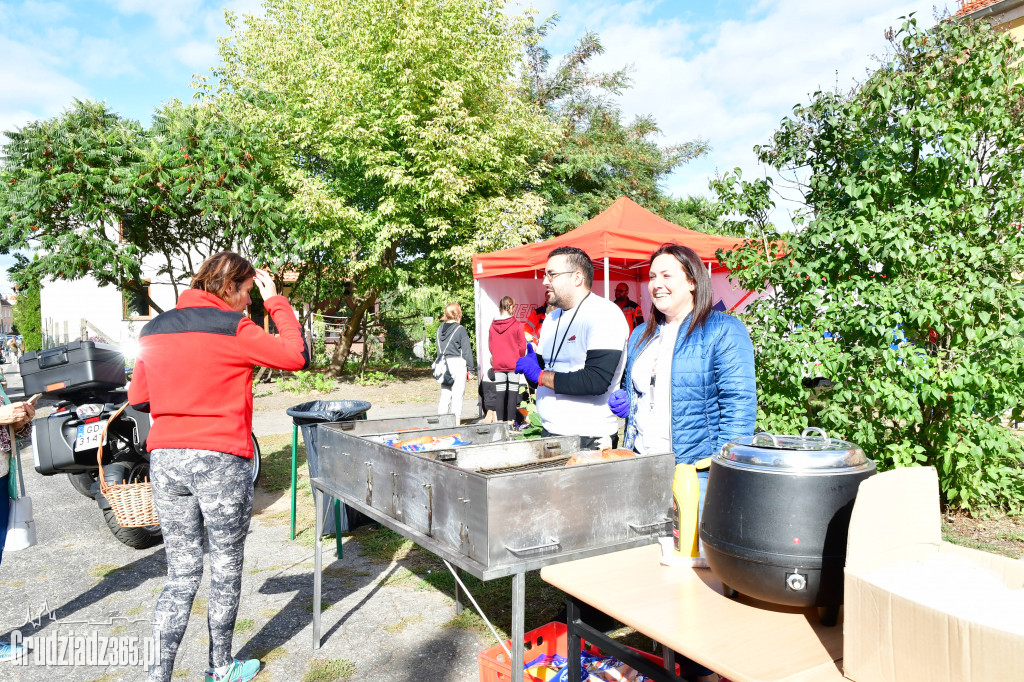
(318,551)
(458,594)
(572,617)
(518,618)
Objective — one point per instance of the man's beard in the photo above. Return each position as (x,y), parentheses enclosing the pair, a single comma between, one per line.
(553,299)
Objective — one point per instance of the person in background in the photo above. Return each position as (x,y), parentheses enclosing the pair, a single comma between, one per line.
(581,354)
(194,376)
(630,309)
(689,379)
(20,415)
(507,344)
(535,321)
(454,346)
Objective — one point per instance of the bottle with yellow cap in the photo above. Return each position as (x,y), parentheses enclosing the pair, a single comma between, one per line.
(685,499)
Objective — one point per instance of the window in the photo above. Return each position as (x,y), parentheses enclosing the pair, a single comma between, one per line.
(135,300)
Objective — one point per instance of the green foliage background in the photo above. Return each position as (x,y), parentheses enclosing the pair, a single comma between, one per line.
(910,254)
(28,319)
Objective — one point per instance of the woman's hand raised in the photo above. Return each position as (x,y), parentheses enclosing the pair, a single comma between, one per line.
(265,283)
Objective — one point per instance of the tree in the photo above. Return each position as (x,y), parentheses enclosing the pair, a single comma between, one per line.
(96,194)
(909,254)
(599,157)
(408,148)
(28,318)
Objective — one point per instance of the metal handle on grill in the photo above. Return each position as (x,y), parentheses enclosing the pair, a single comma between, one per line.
(648,527)
(550,544)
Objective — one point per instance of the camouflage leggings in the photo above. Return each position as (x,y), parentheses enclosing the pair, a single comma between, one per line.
(193,488)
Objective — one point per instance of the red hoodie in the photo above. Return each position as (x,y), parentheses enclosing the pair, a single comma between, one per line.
(507,344)
(194,371)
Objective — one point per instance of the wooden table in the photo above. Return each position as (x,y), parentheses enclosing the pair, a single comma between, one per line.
(684,609)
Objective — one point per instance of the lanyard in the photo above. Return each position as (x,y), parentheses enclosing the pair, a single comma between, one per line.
(567,328)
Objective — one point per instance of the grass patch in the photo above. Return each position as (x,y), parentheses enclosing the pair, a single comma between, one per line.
(178,674)
(977,544)
(269,613)
(345,572)
(244,625)
(324,605)
(401,577)
(135,610)
(1011,535)
(329,670)
(279,567)
(103,570)
(156,589)
(383,544)
(276,460)
(421,570)
(268,656)
(119,629)
(471,621)
(395,628)
(199,607)
(307,537)
(109,677)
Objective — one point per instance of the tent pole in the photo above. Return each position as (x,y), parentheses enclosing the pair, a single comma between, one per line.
(479,324)
(607,292)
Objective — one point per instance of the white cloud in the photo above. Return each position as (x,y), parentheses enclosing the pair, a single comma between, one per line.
(198,55)
(733,84)
(172,18)
(104,58)
(33,85)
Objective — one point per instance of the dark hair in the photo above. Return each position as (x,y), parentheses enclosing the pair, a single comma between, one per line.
(506,303)
(696,273)
(577,259)
(220,271)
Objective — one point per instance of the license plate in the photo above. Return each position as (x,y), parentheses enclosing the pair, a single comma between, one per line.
(89,436)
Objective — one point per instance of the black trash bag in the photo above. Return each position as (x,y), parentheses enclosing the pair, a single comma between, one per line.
(308,416)
(322,411)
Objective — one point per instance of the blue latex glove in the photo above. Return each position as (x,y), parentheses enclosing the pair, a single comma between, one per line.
(618,402)
(528,365)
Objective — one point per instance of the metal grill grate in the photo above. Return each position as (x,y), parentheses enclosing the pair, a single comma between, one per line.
(549,463)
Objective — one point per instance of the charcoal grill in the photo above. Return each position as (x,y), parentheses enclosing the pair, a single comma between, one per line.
(497,509)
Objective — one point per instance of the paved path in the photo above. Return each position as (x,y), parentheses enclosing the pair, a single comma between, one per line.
(80,579)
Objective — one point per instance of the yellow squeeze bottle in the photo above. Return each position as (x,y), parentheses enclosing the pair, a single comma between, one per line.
(685,496)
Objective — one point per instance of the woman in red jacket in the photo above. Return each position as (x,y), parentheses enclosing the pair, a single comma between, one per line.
(507,343)
(194,375)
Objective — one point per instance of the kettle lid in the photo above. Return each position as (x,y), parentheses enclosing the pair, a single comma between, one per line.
(812,449)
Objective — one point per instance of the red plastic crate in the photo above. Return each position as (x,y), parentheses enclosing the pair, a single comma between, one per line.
(549,639)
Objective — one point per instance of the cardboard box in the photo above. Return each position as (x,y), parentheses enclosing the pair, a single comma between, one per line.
(895,526)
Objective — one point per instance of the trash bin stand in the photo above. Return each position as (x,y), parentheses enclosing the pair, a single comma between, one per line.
(295,448)
(295,468)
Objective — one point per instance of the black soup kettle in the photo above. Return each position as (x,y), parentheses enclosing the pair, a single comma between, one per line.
(776,516)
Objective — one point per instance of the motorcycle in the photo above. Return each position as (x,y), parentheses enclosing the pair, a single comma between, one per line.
(66,442)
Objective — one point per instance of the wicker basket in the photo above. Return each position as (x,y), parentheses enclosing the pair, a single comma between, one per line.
(132,503)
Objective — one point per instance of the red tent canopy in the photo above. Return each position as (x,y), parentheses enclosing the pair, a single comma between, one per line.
(625,233)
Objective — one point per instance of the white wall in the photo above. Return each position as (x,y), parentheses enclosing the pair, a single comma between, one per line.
(68,302)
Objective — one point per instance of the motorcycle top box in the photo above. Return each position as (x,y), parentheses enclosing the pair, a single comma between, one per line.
(72,367)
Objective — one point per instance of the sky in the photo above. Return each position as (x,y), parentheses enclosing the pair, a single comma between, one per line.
(726,71)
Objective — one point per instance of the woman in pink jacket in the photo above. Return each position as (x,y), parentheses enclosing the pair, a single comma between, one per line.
(507,343)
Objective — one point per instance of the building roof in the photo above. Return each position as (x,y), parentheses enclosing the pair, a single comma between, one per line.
(968,7)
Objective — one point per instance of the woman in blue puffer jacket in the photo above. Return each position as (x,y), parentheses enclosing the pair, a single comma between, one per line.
(689,378)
